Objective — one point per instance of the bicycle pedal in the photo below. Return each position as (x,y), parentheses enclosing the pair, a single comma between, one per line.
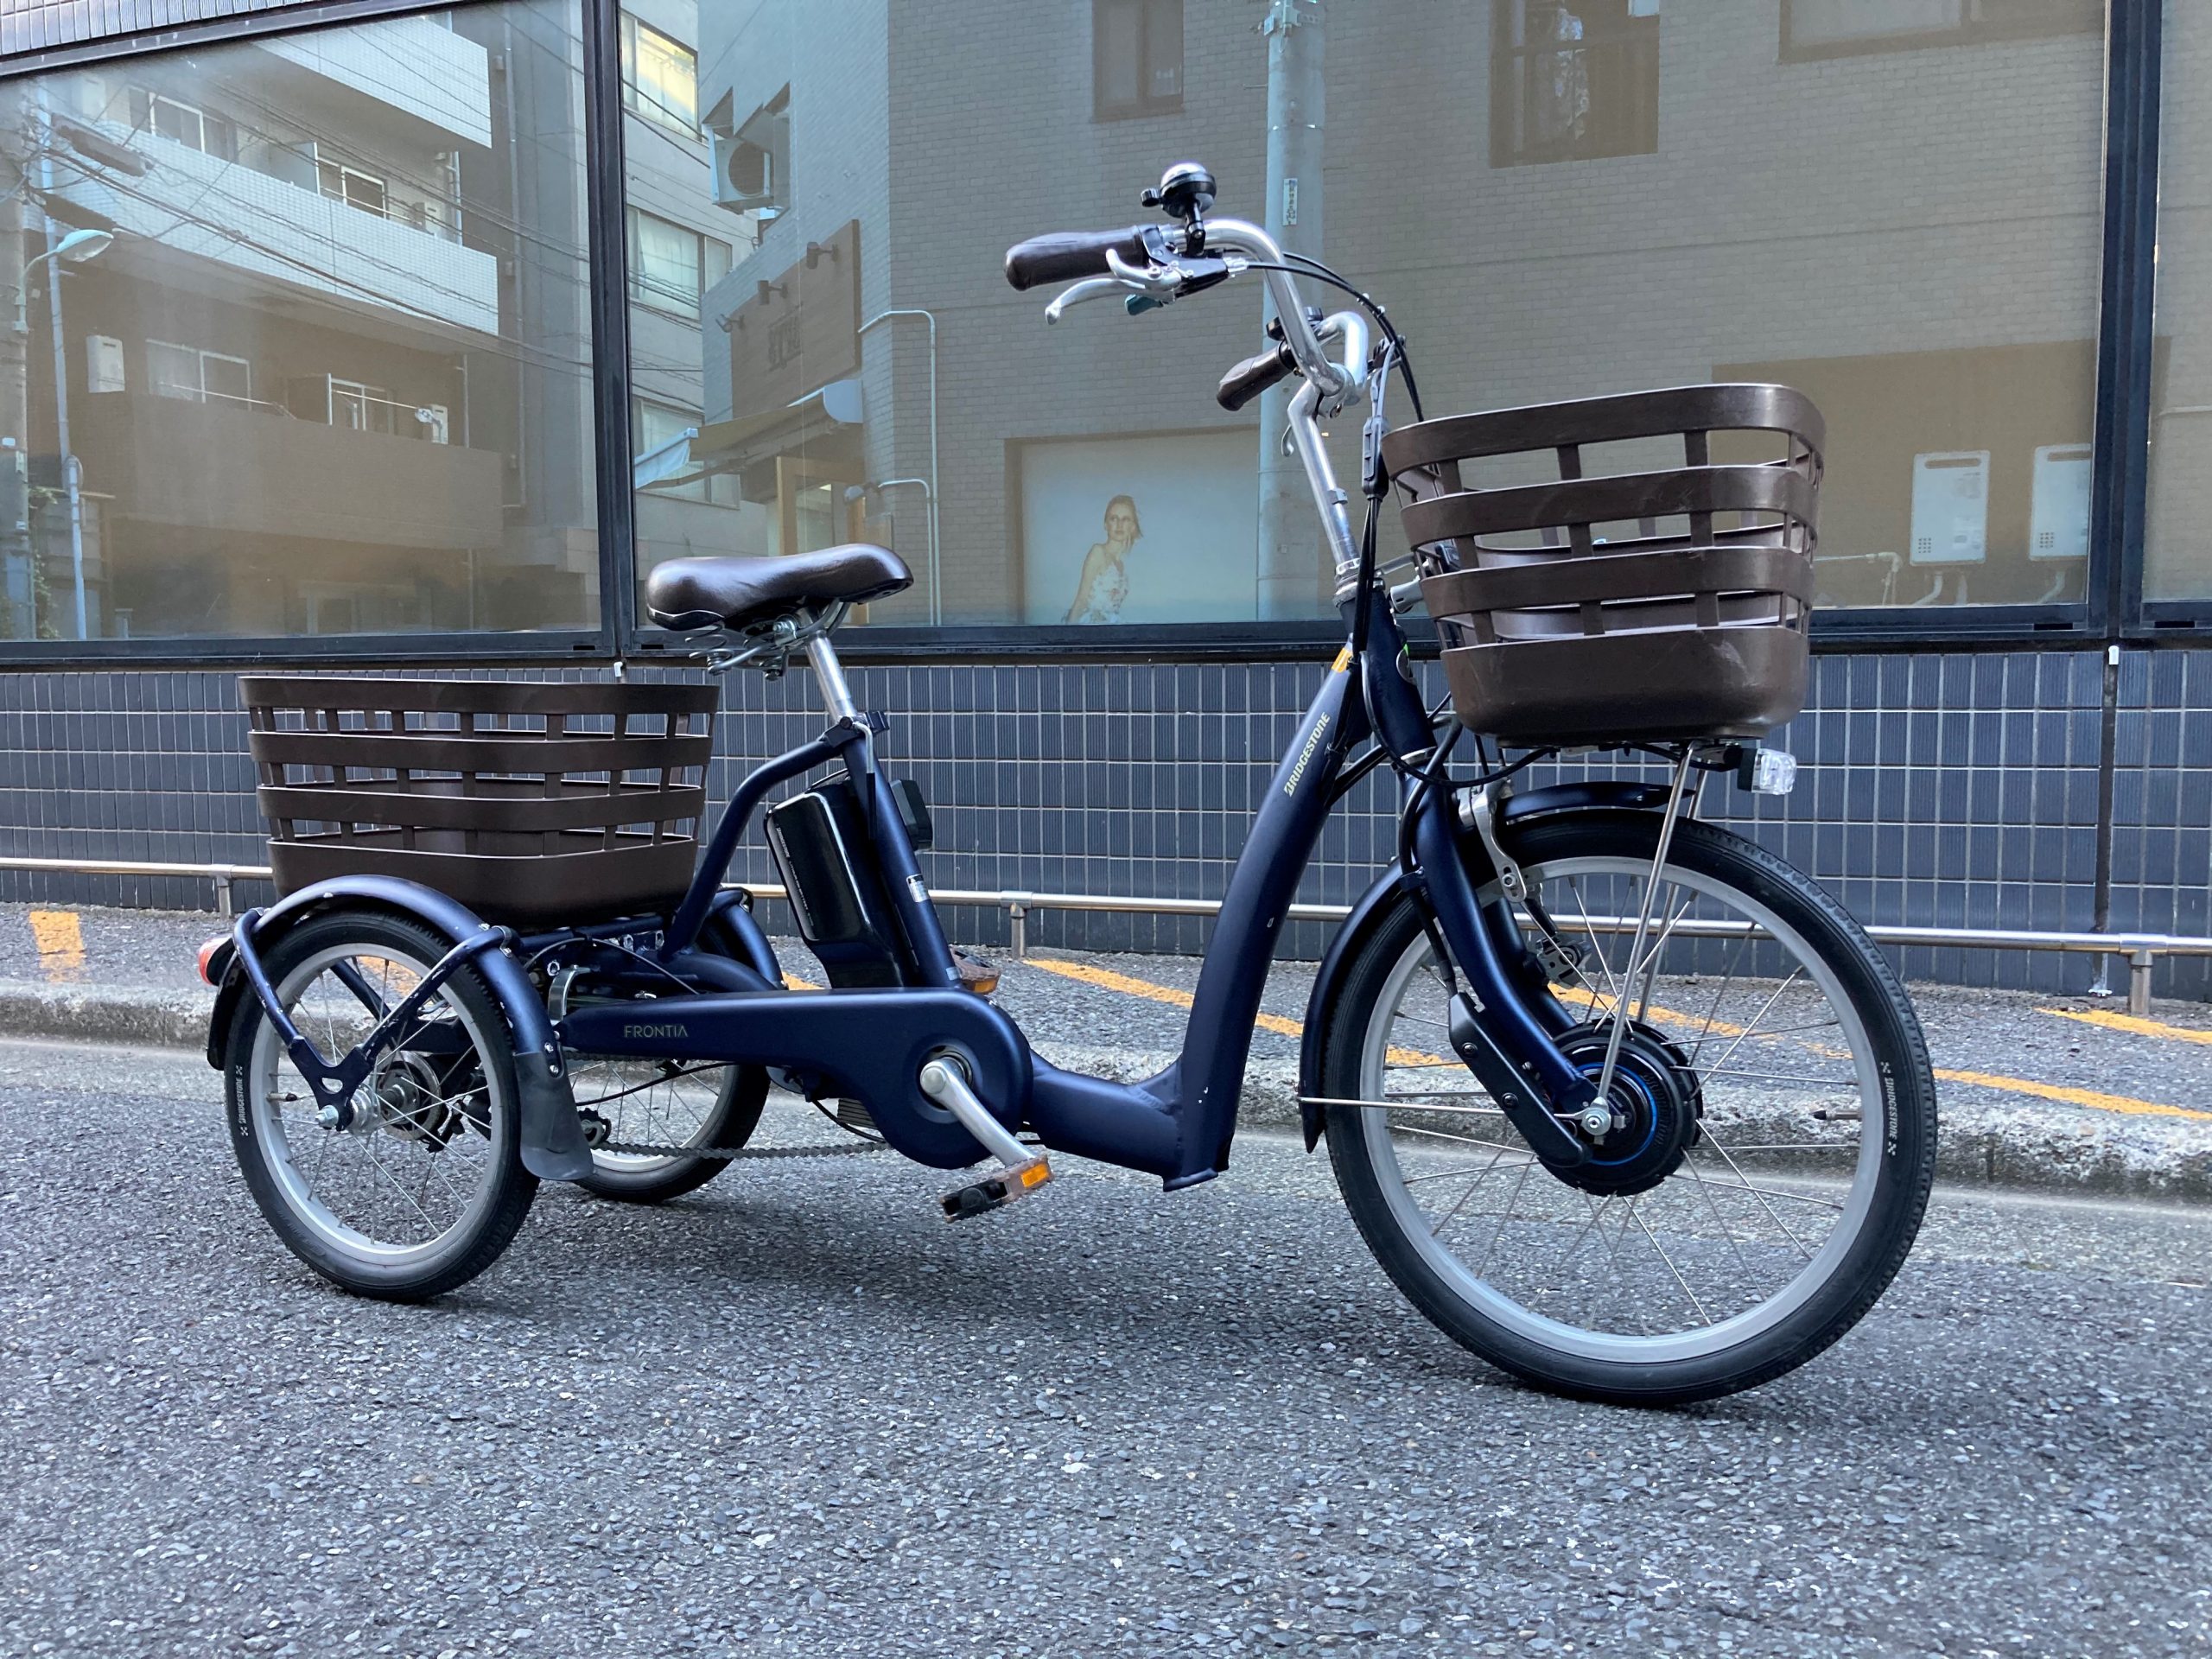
(996,1189)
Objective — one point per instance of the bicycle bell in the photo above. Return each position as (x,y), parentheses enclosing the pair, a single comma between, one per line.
(1186,190)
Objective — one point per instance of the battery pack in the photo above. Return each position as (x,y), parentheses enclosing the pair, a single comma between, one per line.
(821,848)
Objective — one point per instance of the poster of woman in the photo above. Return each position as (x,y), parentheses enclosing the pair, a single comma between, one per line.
(1103,586)
(1140,530)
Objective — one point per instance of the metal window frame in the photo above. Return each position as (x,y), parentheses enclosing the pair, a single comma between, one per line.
(1146,105)
(1507,147)
(2131,298)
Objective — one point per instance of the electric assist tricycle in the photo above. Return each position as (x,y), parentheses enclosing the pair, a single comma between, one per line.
(1619,1100)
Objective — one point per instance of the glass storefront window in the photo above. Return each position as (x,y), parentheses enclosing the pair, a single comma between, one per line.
(1893,206)
(322,363)
(2177,553)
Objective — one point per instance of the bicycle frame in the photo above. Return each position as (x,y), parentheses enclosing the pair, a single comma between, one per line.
(878,1045)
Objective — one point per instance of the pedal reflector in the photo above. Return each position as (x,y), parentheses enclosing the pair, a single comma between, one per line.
(996,1189)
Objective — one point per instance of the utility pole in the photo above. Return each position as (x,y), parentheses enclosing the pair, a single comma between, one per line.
(1290,538)
(17,588)
(70,482)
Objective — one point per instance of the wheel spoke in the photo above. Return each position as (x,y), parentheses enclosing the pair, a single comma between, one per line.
(1752,1029)
(1714,1141)
(1735,962)
(1781,1076)
(1512,1201)
(1461,1174)
(1613,985)
(1405,1103)
(1671,1268)
(1473,1187)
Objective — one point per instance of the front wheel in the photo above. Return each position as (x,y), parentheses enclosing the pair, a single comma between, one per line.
(1774,1112)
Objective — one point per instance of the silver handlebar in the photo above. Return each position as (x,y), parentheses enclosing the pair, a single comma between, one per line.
(1240,244)
(1240,236)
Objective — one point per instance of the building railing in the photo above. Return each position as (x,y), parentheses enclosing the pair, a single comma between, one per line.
(2142,950)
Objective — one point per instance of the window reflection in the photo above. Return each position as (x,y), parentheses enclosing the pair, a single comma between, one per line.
(2177,558)
(1899,214)
(329,373)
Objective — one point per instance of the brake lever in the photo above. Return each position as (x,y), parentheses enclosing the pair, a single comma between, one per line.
(1148,278)
(1090,288)
(1149,286)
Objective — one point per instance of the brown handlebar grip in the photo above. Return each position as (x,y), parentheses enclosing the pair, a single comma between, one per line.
(1070,255)
(1254,375)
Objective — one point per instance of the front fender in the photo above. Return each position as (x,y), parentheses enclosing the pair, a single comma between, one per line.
(1328,986)
(553,1147)
(1595,795)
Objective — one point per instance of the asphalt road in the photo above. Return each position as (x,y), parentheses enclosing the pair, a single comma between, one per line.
(798,1413)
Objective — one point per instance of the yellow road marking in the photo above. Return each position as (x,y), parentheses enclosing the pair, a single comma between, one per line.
(2129,1022)
(1107,979)
(60,941)
(2093,1099)
(2089,1097)
(793,983)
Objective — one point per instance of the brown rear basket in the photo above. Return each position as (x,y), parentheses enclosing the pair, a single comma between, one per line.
(1592,606)
(529,804)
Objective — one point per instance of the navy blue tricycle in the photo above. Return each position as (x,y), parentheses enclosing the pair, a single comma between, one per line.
(1622,1102)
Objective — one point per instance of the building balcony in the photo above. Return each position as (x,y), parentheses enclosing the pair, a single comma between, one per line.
(243,471)
(406,63)
(191,211)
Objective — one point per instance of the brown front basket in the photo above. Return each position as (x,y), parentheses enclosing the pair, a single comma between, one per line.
(529,804)
(1638,605)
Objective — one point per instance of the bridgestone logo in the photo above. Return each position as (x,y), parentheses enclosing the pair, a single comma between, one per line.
(664,1029)
(1304,755)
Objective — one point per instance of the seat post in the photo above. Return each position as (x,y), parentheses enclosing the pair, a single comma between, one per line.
(829,674)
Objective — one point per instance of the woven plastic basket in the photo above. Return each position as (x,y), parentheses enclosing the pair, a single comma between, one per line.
(1585,606)
(531,803)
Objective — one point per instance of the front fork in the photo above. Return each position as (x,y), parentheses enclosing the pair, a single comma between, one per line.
(1504,1022)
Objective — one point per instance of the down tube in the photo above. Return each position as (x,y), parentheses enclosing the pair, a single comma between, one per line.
(1260,891)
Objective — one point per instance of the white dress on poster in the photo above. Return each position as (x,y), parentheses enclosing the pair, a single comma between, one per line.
(1141,530)
(1103,586)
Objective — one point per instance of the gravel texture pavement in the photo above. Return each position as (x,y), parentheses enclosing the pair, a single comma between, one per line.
(798,1413)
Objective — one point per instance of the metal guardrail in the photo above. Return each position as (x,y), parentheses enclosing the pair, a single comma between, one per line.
(2141,949)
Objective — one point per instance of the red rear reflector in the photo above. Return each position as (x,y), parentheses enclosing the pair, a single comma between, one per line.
(207,953)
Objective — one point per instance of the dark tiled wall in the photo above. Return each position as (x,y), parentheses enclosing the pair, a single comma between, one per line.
(1953,789)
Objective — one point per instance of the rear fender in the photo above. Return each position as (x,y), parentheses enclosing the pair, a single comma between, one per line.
(1599,795)
(553,1147)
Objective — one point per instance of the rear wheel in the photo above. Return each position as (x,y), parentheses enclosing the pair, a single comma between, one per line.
(1774,1134)
(662,1103)
(417,1184)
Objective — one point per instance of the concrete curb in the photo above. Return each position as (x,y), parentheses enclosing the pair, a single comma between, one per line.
(135,1018)
(1985,1139)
